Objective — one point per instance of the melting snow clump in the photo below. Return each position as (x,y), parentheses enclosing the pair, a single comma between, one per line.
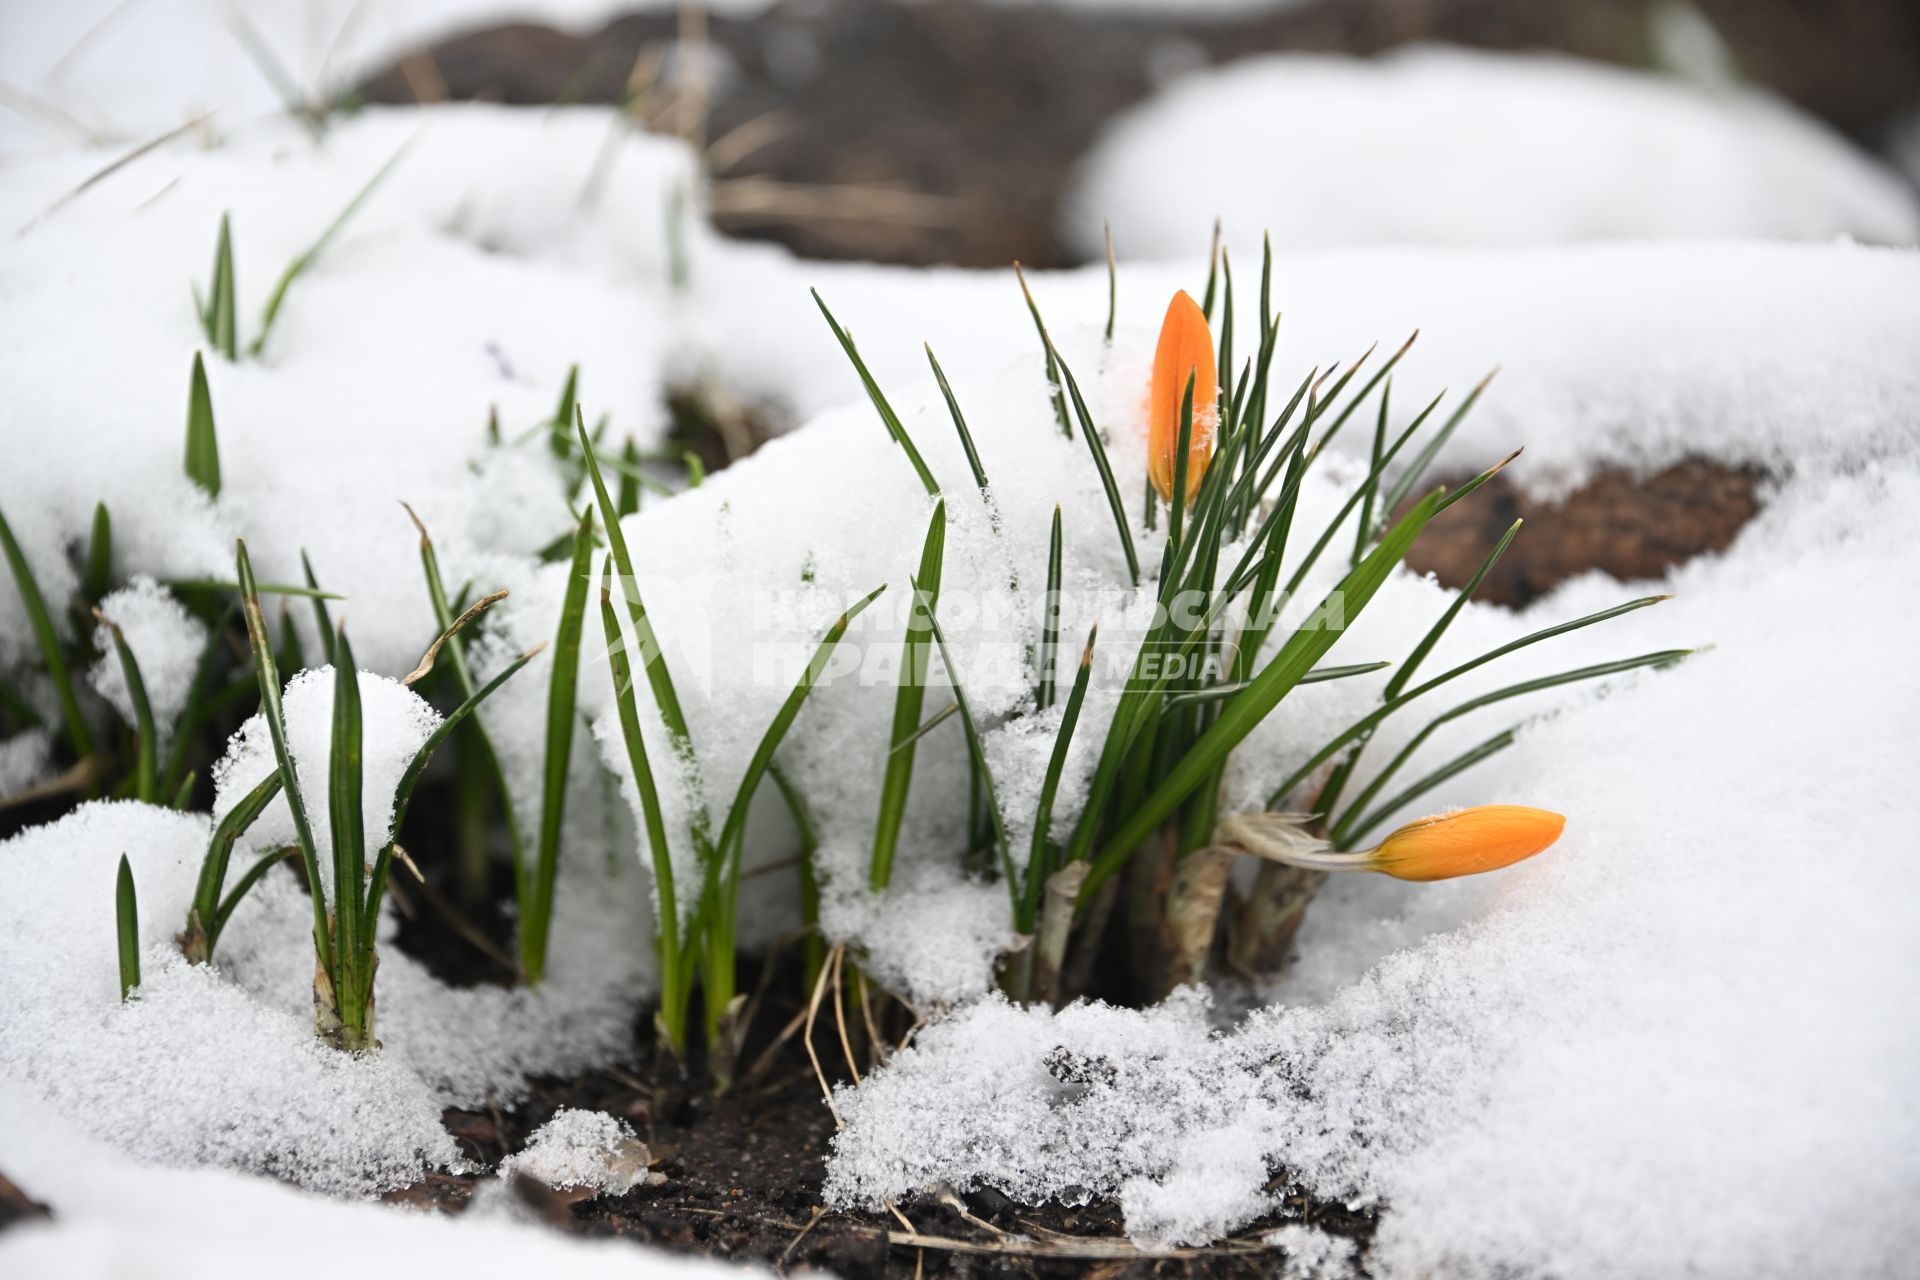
(583,1151)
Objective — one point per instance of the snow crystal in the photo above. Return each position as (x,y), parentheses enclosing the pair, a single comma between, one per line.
(583,1151)
(166,642)
(1467,147)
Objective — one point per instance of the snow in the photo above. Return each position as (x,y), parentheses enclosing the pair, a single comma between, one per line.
(395,724)
(191,1072)
(1673,1038)
(166,642)
(1676,1042)
(582,1151)
(101,68)
(1634,355)
(1434,145)
(471,279)
(116,1219)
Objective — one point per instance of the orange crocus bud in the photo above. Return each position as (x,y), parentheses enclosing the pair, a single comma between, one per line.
(1185,351)
(1463,843)
(1466,842)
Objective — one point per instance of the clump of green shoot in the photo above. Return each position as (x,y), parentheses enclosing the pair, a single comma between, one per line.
(1151,851)
(696,937)
(344,937)
(217,310)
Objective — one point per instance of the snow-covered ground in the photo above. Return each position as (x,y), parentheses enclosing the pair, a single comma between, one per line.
(1432,145)
(1677,1043)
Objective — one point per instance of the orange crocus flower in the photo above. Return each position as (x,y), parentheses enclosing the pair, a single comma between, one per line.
(1463,843)
(1185,351)
(1466,842)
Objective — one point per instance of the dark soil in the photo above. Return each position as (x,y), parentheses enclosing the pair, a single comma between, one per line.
(743,1176)
(1630,526)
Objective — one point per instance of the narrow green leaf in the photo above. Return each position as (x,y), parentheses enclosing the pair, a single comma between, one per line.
(52,656)
(1182,457)
(219,317)
(628,466)
(1344,828)
(720,898)
(203,448)
(417,766)
(674,981)
(1413,791)
(253,875)
(304,261)
(268,676)
(99,575)
(1417,469)
(1050,617)
(204,913)
(1113,283)
(146,766)
(562,711)
(1368,722)
(126,919)
(199,704)
(927,726)
(1099,451)
(1053,357)
(1221,692)
(291,656)
(888,417)
(959,421)
(1363,531)
(444,614)
(653,659)
(1213,271)
(1353,499)
(915,664)
(560,431)
(348,822)
(1039,862)
(1420,651)
(816,946)
(979,751)
(322,621)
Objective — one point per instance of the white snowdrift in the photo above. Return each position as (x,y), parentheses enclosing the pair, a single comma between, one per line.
(1673,1042)
(470,281)
(117,1219)
(1435,145)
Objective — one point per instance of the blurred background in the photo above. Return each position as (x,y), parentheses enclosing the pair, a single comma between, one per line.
(975,132)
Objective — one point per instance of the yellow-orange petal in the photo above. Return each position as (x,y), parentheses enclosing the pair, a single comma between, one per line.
(1185,350)
(1467,842)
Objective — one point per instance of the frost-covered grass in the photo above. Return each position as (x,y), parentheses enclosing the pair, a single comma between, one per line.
(1675,1041)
